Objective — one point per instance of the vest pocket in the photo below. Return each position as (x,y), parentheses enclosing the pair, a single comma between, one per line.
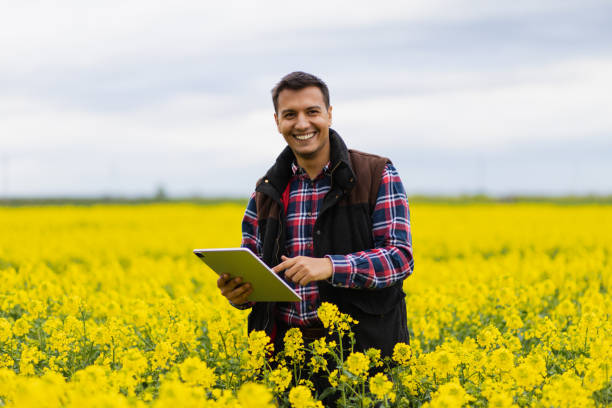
(376,301)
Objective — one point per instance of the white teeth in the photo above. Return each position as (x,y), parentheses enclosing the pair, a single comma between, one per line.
(305,137)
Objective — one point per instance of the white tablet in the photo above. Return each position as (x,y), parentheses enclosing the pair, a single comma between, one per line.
(267,285)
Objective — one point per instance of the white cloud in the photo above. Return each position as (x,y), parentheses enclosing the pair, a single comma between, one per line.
(562,101)
(557,102)
(55,120)
(40,36)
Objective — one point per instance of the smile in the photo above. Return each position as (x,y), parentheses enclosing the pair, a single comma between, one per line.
(305,136)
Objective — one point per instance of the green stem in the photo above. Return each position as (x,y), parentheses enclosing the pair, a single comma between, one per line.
(341,368)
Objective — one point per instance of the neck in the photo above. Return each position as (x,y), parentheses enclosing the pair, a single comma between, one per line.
(314,165)
(312,168)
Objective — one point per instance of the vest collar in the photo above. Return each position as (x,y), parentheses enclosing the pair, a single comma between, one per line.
(277,177)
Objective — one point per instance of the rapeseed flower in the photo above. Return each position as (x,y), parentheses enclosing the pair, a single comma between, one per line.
(280,378)
(254,395)
(402,353)
(195,372)
(105,306)
(358,364)
(301,397)
(294,345)
(381,387)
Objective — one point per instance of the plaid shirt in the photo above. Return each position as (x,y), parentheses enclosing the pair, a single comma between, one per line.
(388,262)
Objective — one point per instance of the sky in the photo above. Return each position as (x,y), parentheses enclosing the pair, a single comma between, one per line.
(122,98)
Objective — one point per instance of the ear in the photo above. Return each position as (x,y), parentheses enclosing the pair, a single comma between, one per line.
(329,114)
(276,121)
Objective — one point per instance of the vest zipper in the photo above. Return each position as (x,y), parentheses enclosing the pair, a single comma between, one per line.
(331,182)
(281,221)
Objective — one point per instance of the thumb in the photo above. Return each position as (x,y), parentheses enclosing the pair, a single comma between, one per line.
(284,258)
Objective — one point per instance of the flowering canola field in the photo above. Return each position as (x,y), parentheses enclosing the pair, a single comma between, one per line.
(509,305)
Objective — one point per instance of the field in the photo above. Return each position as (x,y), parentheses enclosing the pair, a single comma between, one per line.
(509,305)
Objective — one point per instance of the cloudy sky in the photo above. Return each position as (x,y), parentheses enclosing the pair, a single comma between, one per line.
(121,97)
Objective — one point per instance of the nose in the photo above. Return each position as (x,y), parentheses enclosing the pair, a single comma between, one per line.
(302,122)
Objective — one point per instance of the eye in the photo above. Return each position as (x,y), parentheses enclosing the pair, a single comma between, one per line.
(313,112)
(289,115)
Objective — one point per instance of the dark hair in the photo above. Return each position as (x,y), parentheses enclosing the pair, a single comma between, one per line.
(299,80)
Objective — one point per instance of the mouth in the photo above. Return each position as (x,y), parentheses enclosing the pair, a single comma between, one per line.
(305,136)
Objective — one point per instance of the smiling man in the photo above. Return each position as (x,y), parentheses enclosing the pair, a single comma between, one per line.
(334,222)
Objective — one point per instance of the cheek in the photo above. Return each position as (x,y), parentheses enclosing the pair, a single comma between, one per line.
(284,128)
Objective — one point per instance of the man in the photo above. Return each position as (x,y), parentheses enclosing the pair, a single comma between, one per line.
(334,221)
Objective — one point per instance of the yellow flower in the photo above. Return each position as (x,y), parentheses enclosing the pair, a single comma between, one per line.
(259,348)
(566,391)
(380,386)
(358,364)
(332,319)
(502,359)
(488,337)
(281,378)
(333,378)
(514,321)
(317,363)
(321,347)
(501,400)
(443,362)
(195,372)
(374,356)
(134,362)
(30,356)
(410,383)
(508,291)
(328,314)
(402,353)
(6,360)
(21,326)
(254,395)
(164,352)
(301,397)
(526,376)
(5,330)
(453,391)
(294,344)
(444,401)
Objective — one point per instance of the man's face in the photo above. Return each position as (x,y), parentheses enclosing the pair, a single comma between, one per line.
(304,121)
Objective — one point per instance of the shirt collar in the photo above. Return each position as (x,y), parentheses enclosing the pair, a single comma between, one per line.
(298,171)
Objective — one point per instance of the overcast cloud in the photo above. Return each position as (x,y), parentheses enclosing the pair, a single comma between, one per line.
(463,96)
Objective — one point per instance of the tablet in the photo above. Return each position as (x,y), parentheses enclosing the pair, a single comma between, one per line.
(267,285)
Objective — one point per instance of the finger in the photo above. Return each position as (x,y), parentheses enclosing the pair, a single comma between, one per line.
(298,276)
(305,280)
(230,285)
(242,299)
(287,263)
(222,280)
(290,272)
(245,297)
(236,295)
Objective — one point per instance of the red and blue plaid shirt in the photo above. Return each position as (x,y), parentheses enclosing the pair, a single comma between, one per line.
(388,262)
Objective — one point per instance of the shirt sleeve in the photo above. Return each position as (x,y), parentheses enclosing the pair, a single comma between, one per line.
(391,258)
(250,238)
(250,235)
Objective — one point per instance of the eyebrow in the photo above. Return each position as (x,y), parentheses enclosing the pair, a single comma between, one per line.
(293,110)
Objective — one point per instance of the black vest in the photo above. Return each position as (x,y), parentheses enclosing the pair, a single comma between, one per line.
(344,225)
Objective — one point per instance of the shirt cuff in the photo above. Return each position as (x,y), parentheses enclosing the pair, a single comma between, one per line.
(342,271)
(243,306)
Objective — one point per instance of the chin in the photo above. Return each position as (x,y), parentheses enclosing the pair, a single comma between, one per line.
(307,154)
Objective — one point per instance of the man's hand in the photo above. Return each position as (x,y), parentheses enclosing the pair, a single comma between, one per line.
(233,289)
(303,269)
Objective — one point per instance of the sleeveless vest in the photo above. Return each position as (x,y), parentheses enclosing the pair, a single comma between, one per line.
(344,225)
